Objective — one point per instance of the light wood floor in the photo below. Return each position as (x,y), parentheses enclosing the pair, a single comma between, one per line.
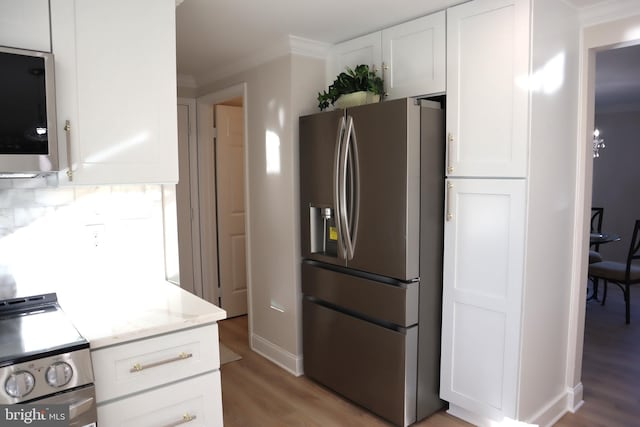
(255,392)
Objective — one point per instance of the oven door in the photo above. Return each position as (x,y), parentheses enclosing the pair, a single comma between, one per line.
(82,405)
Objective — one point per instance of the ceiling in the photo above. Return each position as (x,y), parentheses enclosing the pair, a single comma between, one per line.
(216,37)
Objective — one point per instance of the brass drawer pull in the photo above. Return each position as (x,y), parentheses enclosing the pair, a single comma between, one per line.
(186,418)
(139,367)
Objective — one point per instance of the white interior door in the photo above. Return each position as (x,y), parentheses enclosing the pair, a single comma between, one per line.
(231,210)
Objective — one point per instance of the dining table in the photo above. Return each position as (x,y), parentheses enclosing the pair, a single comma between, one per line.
(600,238)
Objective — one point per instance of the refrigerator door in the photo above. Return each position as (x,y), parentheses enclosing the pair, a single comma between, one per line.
(320,138)
(385,194)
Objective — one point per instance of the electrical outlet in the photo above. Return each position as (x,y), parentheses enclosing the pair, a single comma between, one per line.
(95,234)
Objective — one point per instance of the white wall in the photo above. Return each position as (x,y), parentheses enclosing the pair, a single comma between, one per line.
(277,93)
(550,216)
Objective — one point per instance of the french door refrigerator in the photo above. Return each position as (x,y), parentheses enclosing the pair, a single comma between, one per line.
(371,195)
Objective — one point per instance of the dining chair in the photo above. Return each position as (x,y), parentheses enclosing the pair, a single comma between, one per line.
(596,227)
(620,273)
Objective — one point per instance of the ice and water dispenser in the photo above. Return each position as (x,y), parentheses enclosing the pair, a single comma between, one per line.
(324,234)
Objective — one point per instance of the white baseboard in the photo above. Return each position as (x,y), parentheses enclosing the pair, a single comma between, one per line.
(570,400)
(574,397)
(470,417)
(551,413)
(281,357)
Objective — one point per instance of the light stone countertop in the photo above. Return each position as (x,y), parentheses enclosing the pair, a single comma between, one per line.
(114,312)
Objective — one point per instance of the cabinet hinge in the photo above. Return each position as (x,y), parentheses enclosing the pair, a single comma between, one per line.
(215,133)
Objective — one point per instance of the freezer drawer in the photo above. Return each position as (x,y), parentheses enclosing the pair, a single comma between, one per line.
(371,365)
(393,303)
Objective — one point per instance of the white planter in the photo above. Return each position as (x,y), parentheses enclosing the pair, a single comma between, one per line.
(355,99)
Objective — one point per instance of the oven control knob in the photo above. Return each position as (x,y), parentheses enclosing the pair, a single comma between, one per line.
(19,384)
(59,374)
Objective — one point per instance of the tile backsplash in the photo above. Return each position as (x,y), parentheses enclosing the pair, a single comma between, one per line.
(79,233)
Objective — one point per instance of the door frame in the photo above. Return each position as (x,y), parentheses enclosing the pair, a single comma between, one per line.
(608,35)
(205,115)
(190,103)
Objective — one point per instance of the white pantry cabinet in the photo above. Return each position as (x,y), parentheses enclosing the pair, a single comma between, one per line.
(116,90)
(160,380)
(410,57)
(487,93)
(511,109)
(24,24)
(483,274)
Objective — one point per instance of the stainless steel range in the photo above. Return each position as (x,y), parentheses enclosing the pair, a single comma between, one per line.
(43,358)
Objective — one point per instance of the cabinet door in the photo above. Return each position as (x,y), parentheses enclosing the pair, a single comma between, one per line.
(362,50)
(116,85)
(24,24)
(196,402)
(482,290)
(487,88)
(414,57)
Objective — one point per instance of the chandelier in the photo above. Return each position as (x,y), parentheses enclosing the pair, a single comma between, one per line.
(598,143)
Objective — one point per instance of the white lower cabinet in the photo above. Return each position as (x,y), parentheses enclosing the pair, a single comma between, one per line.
(482,295)
(196,402)
(164,380)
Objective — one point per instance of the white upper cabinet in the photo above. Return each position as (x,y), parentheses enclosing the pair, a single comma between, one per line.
(487,94)
(362,50)
(413,56)
(24,24)
(410,57)
(116,88)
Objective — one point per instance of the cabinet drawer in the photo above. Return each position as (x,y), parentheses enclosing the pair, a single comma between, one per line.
(373,366)
(132,367)
(196,402)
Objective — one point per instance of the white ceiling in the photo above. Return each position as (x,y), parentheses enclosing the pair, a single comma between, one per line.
(216,37)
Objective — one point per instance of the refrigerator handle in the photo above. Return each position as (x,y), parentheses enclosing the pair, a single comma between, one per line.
(337,164)
(343,231)
(352,215)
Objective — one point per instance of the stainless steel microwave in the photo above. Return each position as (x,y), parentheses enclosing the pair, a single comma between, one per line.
(28,134)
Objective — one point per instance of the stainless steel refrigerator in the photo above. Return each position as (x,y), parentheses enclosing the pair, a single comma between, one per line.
(371,196)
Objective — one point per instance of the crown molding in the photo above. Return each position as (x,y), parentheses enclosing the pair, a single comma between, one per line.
(306,47)
(290,45)
(608,11)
